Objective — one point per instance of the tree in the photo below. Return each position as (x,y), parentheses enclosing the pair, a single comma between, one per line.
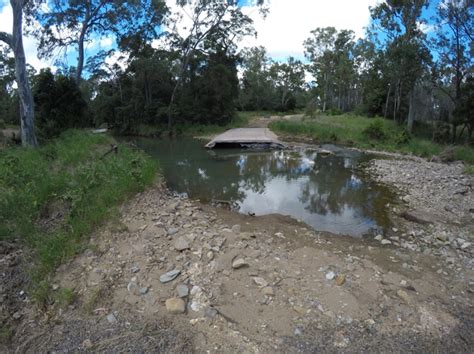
(289,80)
(214,24)
(406,51)
(15,42)
(319,50)
(59,104)
(74,23)
(454,35)
(257,87)
(331,57)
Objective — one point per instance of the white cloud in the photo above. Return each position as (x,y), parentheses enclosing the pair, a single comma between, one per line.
(289,23)
(106,42)
(30,44)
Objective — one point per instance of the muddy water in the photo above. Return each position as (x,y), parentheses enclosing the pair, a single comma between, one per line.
(330,193)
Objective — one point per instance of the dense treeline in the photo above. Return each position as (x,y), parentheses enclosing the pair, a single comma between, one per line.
(400,71)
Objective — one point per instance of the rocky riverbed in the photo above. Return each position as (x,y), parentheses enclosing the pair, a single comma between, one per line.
(171,274)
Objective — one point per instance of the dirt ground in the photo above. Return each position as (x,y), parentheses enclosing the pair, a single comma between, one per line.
(252,284)
(261,284)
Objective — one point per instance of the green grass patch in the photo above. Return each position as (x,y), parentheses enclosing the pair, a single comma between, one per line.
(54,196)
(368,133)
(64,297)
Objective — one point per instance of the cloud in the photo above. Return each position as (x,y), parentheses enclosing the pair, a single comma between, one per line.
(30,44)
(289,23)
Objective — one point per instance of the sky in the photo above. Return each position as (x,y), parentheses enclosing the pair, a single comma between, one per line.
(282,32)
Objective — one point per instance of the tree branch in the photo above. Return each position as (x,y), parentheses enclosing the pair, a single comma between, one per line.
(6,38)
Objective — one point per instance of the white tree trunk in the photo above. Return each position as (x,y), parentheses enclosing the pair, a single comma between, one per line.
(15,41)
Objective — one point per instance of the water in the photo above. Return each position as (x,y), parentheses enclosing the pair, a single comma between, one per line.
(330,193)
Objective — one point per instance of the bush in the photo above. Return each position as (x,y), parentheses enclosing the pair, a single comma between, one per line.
(2,124)
(335,112)
(402,137)
(311,108)
(441,132)
(375,130)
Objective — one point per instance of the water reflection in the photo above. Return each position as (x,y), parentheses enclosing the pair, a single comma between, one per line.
(327,192)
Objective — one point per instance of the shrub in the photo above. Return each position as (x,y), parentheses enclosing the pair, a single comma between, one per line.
(441,132)
(311,108)
(375,130)
(335,112)
(402,137)
(2,124)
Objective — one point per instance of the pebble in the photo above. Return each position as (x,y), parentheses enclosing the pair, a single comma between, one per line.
(268,291)
(330,275)
(260,281)
(386,242)
(175,305)
(402,294)
(172,231)
(170,276)
(182,290)
(135,269)
(181,244)
(340,279)
(379,237)
(239,263)
(17,315)
(111,318)
(87,344)
(143,290)
(210,255)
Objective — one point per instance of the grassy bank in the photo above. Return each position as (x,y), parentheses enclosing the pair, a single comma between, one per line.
(359,131)
(54,196)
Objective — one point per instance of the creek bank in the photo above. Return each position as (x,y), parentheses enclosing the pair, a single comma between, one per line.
(436,206)
(254,284)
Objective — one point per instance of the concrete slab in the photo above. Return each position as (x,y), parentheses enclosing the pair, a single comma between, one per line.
(247,136)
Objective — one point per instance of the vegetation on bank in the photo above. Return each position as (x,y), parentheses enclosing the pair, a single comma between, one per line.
(54,196)
(370,133)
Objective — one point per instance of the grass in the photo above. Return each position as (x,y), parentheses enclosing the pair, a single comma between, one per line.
(65,297)
(349,129)
(66,181)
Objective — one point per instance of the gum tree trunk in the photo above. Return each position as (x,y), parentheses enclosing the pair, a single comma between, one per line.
(15,42)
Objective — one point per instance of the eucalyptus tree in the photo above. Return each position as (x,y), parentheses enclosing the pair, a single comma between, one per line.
(406,51)
(454,24)
(15,41)
(331,57)
(214,25)
(319,50)
(257,87)
(289,79)
(74,23)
